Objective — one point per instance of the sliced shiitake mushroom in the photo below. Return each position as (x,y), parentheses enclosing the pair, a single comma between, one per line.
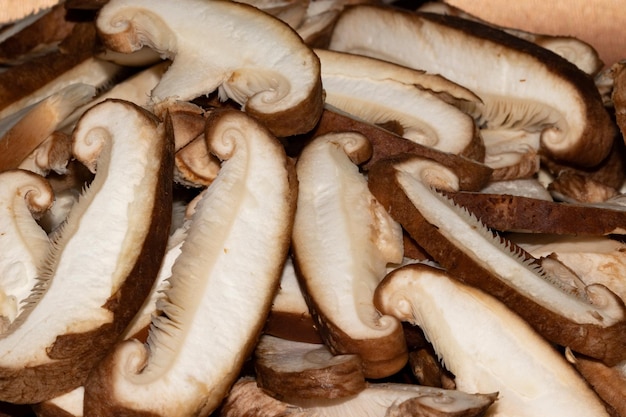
(522,86)
(478,339)
(277,78)
(90,288)
(593,323)
(221,286)
(343,240)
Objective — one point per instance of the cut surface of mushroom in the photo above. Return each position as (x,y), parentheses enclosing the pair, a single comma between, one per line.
(521,85)
(275,77)
(90,288)
(306,370)
(479,338)
(343,240)
(24,196)
(592,324)
(221,286)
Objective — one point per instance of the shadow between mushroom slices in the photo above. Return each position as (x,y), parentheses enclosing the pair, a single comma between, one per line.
(90,289)
(221,286)
(593,323)
(343,240)
(275,77)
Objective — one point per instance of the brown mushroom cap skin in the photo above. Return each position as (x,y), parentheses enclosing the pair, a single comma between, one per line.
(518,213)
(604,343)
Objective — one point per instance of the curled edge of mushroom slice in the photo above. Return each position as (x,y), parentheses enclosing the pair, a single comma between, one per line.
(71,404)
(420,115)
(472,174)
(529,87)
(221,286)
(90,288)
(24,196)
(343,240)
(478,338)
(287,368)
(275,77)
(592,323)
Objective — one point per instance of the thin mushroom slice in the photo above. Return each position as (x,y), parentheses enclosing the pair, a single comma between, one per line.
(42,120)
(53,155)
(91,287)
(74,63)
(511,213)
(421,116)
(593,323)
(24,196)
(221,286)
(275,77)
(521,85)
(478,339)
(361,66)
(343,240)
(306,370)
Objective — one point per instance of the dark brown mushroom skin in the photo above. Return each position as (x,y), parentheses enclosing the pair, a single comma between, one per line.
(603,343)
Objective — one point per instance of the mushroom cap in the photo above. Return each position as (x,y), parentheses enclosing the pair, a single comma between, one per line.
(274,76)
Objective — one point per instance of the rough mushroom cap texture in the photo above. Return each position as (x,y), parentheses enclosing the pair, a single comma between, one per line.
(275,77)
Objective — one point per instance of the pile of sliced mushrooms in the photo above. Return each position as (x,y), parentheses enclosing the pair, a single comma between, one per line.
(307,207)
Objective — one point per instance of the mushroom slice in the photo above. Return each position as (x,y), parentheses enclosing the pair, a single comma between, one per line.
(290,317)
(343,240)
(472,175)
(306,370)
(595,259)
(421,116)
(402,400)
(221,286)
(275,77)
(246,398)
(341,63)
(195,166)
(507,213)
(90,288)
(478,338)
(74,63)
(53,155)
(578,52)
(521,85)
(35,38)
(608,382)
(593,323)
(15,11)
(39,123)
(376,400)
(24,196)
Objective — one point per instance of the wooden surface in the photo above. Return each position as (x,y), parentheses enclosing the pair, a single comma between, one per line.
(602,23)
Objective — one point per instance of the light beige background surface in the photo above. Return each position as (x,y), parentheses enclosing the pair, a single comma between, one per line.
(602,23)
